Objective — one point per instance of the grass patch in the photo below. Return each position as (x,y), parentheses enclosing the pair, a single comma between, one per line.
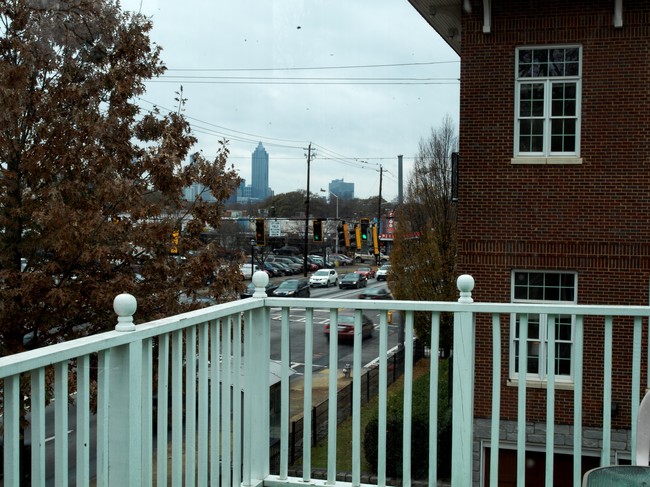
(344,431)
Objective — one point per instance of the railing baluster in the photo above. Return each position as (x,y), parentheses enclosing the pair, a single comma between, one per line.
(203,424)
(177,408)
(550,401)
(61,423)
(434,363)
(103,399)
(636,381)
(605,458)
(236,400)
(162,409)
(332,402)
(83,421)
(190,407)
(577,402)
(215,402)
(307,399)
(37,425)
(226,401)
(11,445)
(521,400)
(356,398)
(284,394)
(408,399)
(383,399)
(147,412)
(496,400)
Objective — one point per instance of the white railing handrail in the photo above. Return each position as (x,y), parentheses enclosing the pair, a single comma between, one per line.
(41,357)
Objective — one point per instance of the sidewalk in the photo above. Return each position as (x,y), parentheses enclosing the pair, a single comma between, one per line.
(319,393)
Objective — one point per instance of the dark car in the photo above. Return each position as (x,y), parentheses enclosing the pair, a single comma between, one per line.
(287,250)
(376,293)
(345,326)
(293,288)
(250,289)
(353,280)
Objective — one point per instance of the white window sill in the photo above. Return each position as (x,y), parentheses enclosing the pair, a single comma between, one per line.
(562,384)
(546,160)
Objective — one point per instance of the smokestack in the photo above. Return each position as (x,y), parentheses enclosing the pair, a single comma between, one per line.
(400,181)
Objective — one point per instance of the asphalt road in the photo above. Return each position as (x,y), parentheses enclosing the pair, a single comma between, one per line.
(370,349)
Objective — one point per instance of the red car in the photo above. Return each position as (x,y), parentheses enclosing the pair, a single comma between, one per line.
(345,326)
(369,272)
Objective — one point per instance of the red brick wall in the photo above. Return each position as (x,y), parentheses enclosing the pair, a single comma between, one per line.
(592,218)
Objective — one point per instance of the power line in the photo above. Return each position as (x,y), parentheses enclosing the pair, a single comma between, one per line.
(357,66)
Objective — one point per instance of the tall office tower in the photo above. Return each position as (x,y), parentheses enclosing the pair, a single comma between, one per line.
(260,173)
(342,189)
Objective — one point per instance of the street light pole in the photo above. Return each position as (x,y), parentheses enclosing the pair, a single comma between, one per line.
(336,241)
(253,242)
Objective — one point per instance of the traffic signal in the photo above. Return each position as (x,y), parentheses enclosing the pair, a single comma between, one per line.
(365,224)
(346,235)
(318,230)
(357,234)
(174,247)
(340,235)
(375,239)
(260,234)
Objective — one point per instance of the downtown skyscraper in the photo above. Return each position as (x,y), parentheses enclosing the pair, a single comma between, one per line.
(260,173)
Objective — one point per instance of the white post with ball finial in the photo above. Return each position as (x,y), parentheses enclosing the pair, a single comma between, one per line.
(463,387)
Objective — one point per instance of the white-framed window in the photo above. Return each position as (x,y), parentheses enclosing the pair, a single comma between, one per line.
(544,287)
(547,101)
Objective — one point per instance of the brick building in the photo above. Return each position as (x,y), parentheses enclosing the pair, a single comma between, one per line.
(554,197)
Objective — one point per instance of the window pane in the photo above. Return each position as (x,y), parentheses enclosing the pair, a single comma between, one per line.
(563,329)
(563,366)
(525,63)
(524,144)
(552,294)
(540,69)
(537,144)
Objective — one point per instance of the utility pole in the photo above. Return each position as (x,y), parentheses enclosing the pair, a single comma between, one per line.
(304,264)
(381,175)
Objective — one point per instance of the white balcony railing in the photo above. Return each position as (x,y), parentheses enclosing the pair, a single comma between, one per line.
(121,399)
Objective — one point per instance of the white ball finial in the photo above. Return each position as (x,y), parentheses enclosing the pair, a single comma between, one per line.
(260,280)
(125,306)
(465,284)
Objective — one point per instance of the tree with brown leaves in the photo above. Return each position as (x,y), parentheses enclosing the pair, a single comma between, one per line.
(91,186)
(423,260)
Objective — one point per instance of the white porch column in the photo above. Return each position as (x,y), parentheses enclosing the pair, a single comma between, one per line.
(124,410)
(256,389)
(463,387)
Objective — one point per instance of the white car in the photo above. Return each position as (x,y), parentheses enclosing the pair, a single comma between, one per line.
(382,272)
(324,277)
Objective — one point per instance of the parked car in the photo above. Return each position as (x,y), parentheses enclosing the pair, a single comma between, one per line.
(250,289)
(382,272)
(353,280)
(301,262)
(197,300)
(342,259)
(324,277)
(376,293)
(245,270)
(295,268)
(369,272)
(278,269)
(345,326)
(287,250)
(293,288)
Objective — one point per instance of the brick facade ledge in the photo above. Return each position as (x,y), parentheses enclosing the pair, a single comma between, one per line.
(546,160)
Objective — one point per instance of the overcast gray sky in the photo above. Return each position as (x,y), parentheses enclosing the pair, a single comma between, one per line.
(380,78)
